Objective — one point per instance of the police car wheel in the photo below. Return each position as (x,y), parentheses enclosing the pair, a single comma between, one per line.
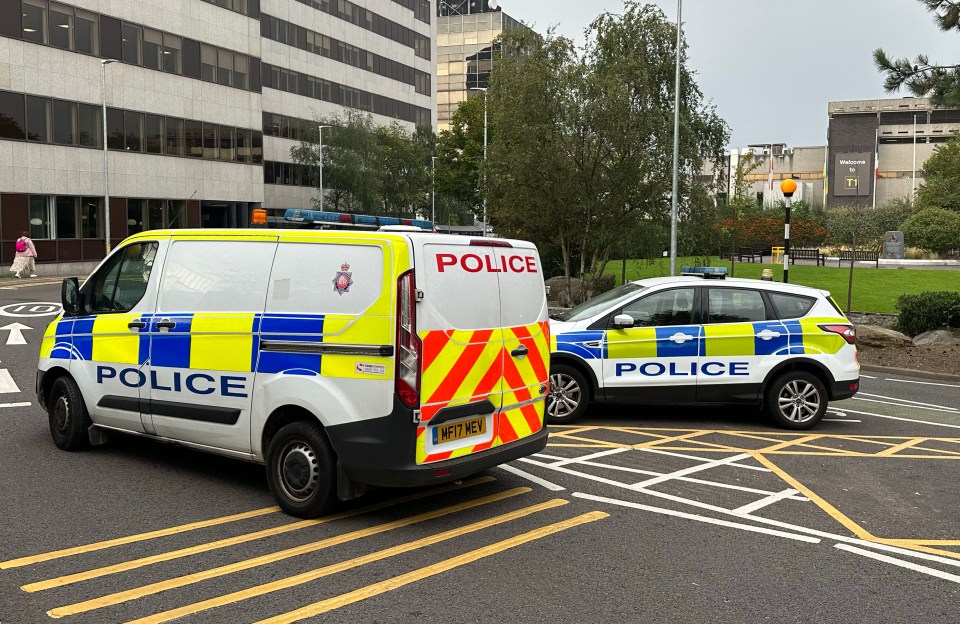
(797,400)
(568,396)
(301,470)
(69,419)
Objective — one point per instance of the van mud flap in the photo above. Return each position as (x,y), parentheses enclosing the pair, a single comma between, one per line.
(347,489)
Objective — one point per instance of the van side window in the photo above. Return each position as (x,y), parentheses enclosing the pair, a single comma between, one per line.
(791,306)
(215,276)
(121,283)
(669,307)
(735,305)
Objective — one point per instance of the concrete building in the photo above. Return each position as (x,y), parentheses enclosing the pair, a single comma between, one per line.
(465,51)
(204,100)
(904,132)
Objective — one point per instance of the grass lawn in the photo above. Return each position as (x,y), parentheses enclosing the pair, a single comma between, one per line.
(874,290)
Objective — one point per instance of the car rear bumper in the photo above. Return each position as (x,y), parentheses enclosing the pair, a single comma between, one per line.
(840,390)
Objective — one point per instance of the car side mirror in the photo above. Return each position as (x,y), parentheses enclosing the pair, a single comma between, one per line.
(70,296)
(622,321)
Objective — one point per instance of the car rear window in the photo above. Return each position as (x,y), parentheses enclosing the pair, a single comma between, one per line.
(735,305)
(792,306)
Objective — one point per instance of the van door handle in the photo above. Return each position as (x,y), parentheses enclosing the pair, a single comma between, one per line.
(166,324)
(520,351)
(136,324)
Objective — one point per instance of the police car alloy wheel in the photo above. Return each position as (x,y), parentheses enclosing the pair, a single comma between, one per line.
(568,396)
(68,416)
(797,400)
(301,470)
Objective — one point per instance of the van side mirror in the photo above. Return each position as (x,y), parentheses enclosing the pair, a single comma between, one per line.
(622,321)
(70,296)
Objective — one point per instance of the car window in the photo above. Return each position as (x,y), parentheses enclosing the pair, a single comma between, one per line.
(121,283)
(669,307)
(791,306)
(592,307)
(735,305)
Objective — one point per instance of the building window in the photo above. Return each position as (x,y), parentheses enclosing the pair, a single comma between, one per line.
(244,140)
(208,62)
(66,217)
(176,216)
(90,212)
(86,32)
(115,136)
(152,48)
(41,217)
(210,141)
(225,67)
(175,140)
(241,68)
(135,216)
(89,130)
(257,148)
(153,133)
(132,36)
(194,136)
(38,119)
(64,122)
(228,143)
(12,116)
(61,26)
(35,20)
(172,45)
(133,131)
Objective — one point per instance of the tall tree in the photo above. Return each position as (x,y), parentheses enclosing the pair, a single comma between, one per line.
(941,83)
(582,156)
(460,155)
(941,178)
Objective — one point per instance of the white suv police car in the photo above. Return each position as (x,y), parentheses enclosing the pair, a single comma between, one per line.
(693,340)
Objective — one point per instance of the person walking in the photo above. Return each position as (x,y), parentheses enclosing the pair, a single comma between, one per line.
(25,256)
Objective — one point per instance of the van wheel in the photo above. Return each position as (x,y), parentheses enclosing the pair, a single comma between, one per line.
(796,400)
(569,394)
(69,419)
(301,470)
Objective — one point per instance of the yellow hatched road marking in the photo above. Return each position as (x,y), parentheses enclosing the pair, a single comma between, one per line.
(196,577)
(566,432)
(312,575)
(130,539)
(397,582)
(794,442)
(899,447)
(133,564)
(676,438)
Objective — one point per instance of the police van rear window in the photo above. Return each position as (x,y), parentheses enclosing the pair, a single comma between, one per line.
(791,306)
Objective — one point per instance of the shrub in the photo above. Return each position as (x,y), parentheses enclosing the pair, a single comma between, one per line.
(934,229)
(928,310)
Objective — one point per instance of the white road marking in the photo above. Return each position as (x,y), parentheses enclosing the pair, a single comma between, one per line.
(921,422)
(924,383)
(672,454)
(575,460)
(880,396)
(948,410)
(698,518)
(553,487)
(15,337)
(867,376)
(691,470)
(14,405)
(7,384)
(764,502)
(849,420)
(899,562)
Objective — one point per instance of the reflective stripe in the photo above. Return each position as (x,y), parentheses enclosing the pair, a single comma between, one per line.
(326,348)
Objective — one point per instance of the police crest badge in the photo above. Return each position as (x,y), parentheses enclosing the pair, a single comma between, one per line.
(344,279)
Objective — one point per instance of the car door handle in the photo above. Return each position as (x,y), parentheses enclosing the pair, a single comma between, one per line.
(681,338)
(520,351)
(166,324)
(768,335)
(136,324)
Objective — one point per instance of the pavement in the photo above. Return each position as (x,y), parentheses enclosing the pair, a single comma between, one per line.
(634,514)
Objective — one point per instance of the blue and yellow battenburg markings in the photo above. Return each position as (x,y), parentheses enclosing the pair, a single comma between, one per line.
(779,338)
(217,341)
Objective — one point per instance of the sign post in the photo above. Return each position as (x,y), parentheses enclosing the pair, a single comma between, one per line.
(788,187)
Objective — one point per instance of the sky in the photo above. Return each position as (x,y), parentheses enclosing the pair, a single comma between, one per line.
(771,66)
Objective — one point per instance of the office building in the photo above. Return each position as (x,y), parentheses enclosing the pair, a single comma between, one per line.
(204,100)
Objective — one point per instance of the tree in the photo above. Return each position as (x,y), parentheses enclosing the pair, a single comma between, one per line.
(941,173)
(934,229)
(460,156)
(923,78)
(580,160)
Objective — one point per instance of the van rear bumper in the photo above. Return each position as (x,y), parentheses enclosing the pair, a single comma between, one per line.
(382,452)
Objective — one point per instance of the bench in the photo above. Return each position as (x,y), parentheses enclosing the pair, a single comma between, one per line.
(808,254)
(859,256)
(752,253)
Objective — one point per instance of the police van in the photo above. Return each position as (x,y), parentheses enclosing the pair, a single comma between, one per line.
(689,340)
(338,359)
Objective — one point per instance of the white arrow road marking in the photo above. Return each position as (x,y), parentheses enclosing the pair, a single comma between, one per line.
(16,333)
(7,384)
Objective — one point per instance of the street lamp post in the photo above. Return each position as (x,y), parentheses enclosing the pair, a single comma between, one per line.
(788,187)
(320,132)
(913,183)
(484,89)
(433,190)
(676,149)
(106,158)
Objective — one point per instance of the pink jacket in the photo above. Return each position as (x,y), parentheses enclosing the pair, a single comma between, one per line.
(31,250)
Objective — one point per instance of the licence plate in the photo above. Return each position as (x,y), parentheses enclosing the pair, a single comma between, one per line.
(449,432)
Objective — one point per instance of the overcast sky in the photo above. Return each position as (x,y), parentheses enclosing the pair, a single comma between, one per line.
(743,51)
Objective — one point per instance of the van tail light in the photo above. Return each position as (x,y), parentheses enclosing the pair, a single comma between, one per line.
(847,332)
(489,242)
(409,347)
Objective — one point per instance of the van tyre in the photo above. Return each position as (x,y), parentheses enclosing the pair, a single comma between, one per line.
(301,470)
(69,419)
(569,394)
(796,400)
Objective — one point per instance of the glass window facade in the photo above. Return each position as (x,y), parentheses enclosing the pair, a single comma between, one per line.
(376,23)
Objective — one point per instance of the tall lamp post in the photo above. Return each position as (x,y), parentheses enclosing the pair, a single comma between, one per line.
(788,187)
(106,158)
(484,89)
(433,191)
(676,148)
(320,132)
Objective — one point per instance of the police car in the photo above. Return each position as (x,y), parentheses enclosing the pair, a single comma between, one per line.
(689,340)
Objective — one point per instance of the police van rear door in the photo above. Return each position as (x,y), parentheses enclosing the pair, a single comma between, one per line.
(458,322)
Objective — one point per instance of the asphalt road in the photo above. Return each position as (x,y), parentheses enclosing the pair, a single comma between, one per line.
(635,514)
